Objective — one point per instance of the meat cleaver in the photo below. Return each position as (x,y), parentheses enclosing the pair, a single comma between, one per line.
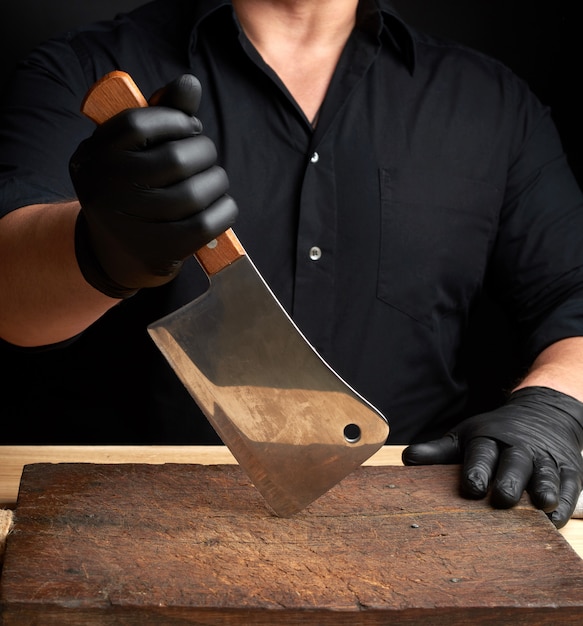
(292,423)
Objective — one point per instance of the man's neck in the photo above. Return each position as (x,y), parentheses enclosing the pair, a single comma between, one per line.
(301,40)
(301,21)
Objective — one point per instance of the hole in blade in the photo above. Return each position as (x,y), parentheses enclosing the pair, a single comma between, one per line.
(352,433)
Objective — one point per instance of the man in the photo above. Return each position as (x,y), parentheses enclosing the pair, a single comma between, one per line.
(383,179)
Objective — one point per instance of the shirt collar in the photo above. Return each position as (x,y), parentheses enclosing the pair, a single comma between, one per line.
(203,9)
(378,15)
(381,17)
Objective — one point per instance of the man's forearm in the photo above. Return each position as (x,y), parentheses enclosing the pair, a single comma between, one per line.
(559,367)
(44,296)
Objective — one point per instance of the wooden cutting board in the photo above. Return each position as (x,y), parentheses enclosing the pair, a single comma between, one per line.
(193,544)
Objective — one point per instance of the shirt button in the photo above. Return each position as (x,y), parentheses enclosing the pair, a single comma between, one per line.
(315,253)
(314,158)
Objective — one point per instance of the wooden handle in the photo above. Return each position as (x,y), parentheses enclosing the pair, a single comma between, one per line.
(110,95)
(116,92)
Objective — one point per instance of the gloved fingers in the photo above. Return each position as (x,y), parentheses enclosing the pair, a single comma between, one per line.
(437,452)
(177,202)
(544,484)
(479,465)
(138,129)
(515,469)
(571,483)
(182,93)
(197,192)
(186,237)
(164,164)
(215,220)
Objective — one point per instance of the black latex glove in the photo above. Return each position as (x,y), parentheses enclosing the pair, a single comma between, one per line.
(532,442)
(150,193)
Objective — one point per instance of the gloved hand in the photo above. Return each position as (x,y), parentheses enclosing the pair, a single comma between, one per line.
(532,442)
(150,193)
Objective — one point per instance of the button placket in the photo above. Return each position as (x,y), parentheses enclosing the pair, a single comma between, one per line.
(313,293)
(315,251)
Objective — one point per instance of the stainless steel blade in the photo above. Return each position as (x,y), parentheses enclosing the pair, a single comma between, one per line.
(291,422)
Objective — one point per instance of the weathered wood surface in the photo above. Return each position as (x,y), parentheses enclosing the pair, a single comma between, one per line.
(5,527)
(192,544)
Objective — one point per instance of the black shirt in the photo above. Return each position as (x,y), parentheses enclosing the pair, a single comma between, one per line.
(432,174)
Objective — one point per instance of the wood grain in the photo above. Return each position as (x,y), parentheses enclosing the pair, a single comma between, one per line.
(13,459)
(113,93)
(220,253)
(194,544)
(6,517)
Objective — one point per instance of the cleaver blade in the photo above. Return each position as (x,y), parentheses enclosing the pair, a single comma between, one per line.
(293,424)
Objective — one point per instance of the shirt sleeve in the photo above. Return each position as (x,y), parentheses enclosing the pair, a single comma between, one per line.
(538,256)
(41,126)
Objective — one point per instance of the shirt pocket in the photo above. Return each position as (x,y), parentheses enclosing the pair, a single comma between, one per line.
(436,233)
